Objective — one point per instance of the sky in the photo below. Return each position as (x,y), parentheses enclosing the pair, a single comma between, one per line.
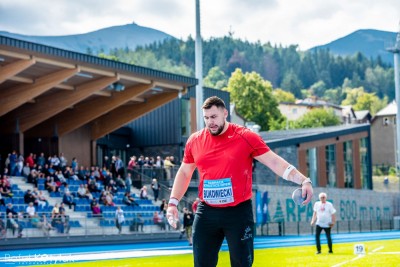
(306,23)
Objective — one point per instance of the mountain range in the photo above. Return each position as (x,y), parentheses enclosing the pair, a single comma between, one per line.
(371,43)
(123,36)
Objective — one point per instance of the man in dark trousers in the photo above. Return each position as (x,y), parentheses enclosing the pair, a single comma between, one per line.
(223,154)
(187,224)
(325,218)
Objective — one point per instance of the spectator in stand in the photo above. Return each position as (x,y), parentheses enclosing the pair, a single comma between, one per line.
(143,192)
(93,203)
(50,185)
(19,164)
(158,220)
(5,189)
(26,170)
(64,218)
(30,210)
(41,160)
(137,223)
(32,177)
(120,182)
(42,201)
(60,178)
(66,190)
(156,188)
(88,194)
(119,166)
(68,199)
(129,200)
(163,204)
(194,205)
(132,164)
(30,197)
(159,162)
(55,161)
(140,161)
(119,219)
(56,211)
(113,166)
(63,161)
(62,207)
(12,162)
(14,225)
(10,209)
(45,225)
(128,182)
(168,167)
(108,199)
(82,173)
(82,191)
(96,210)
(29,160)
(74,164)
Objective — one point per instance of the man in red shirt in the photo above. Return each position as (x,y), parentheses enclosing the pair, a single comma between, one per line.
(223,153)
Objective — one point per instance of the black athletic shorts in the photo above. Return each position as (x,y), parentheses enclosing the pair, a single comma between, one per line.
(211,225)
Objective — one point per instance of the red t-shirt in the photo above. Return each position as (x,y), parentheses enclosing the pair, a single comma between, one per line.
(224,163)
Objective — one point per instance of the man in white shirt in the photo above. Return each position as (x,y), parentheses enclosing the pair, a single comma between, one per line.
(30,210)
(325,218)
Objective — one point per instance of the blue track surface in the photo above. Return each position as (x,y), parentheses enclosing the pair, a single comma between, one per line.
(87,253)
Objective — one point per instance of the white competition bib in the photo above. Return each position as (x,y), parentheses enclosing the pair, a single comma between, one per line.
(218,192)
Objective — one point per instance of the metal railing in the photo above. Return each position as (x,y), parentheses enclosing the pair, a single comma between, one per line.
(341,227)
(82,225)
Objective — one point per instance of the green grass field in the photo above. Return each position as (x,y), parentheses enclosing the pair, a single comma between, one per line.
(379,253)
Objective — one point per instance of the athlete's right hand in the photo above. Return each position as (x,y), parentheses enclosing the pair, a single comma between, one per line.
(172,216)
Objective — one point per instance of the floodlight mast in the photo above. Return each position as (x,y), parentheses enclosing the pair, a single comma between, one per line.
(396,53)
(199,70)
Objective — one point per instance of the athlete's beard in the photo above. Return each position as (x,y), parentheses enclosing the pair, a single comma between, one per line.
(219,130)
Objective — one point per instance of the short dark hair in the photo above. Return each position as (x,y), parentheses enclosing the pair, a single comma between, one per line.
(213,101)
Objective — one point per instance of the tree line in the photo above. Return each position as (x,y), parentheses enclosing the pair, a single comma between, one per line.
(337,79)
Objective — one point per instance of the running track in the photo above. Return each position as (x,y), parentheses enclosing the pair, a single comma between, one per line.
(103,252)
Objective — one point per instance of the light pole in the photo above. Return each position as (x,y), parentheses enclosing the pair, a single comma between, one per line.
(199,70)
(396,51)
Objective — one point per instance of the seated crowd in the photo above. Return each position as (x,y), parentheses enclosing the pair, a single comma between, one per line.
(98,186)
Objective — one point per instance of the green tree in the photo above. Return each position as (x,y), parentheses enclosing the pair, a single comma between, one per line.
(215,78)
(318,88)
(283,96)
(292,83)
(318,117)
(253,97)
(361,100)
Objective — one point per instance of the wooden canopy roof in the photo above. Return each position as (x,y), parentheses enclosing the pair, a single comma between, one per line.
(47,91)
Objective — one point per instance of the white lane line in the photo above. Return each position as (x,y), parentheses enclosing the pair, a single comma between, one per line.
(63,258)
(379,248)
(354,259)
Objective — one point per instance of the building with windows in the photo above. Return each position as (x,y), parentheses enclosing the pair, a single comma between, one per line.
(383,134)
(337,156)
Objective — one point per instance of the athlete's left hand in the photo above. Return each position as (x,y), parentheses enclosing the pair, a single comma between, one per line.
(306,190)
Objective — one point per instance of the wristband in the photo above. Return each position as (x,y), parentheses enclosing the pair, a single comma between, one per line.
(173,202)
(287,171)
(307,180)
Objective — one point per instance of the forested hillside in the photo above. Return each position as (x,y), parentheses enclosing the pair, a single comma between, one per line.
(316,73)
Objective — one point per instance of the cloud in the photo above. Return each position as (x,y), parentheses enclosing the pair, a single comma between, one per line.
(286,22)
